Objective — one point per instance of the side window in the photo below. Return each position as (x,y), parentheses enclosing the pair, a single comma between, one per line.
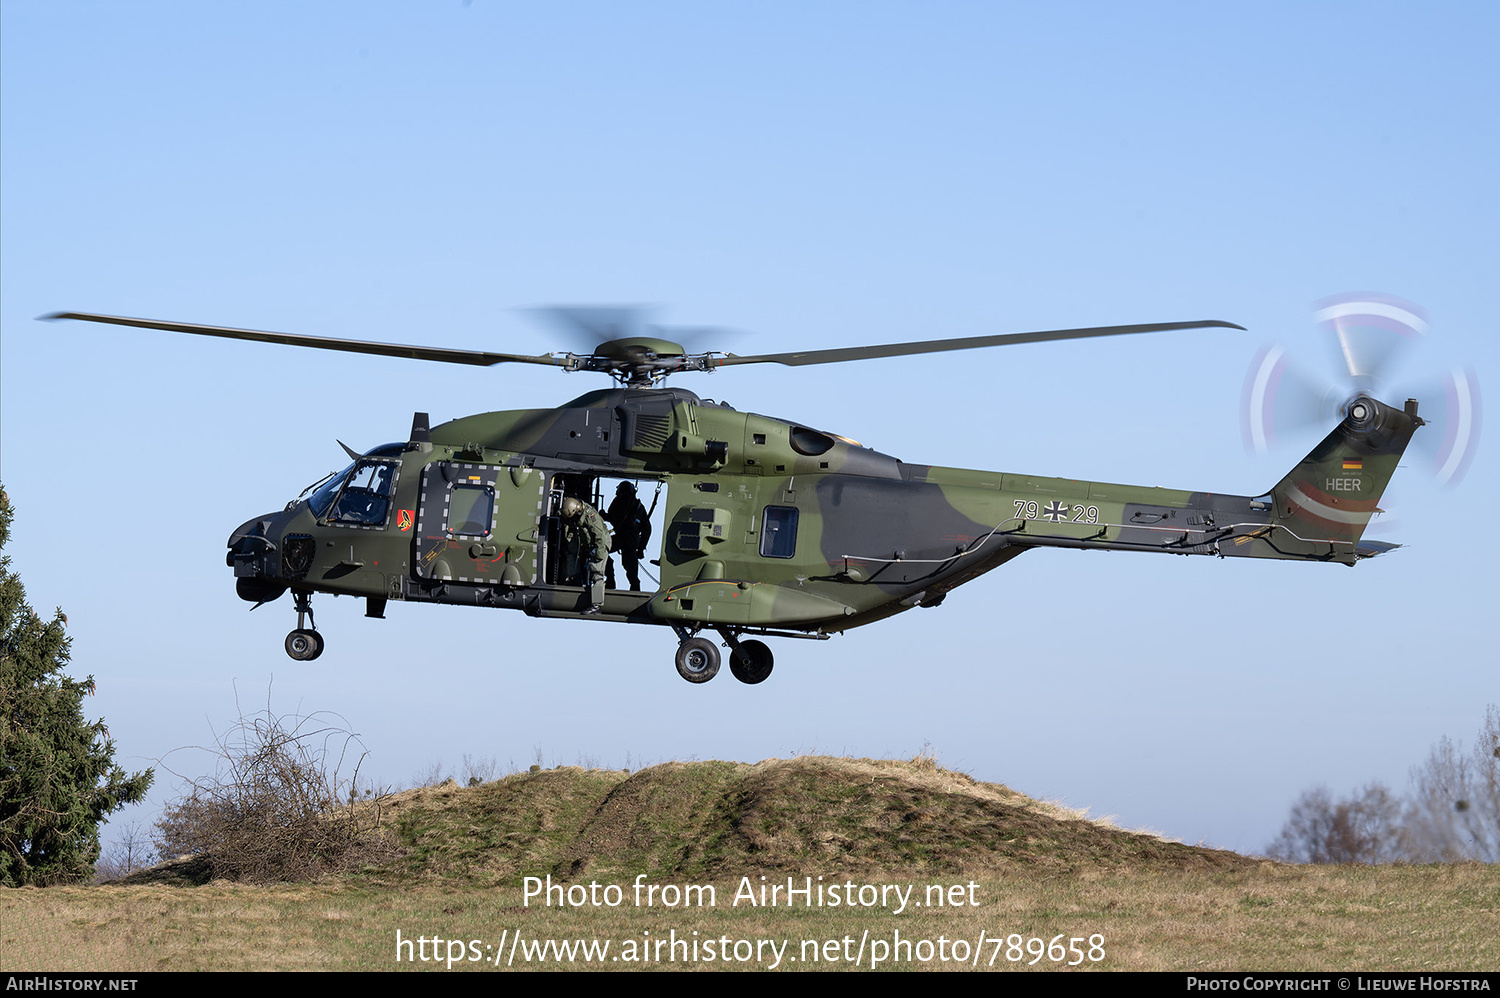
(471,510)
(778,534)
(366,497)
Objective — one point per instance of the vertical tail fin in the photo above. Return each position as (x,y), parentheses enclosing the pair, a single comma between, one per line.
(1326,501)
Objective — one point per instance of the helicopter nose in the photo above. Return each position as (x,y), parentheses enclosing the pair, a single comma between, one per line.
(246,529)
(252,537)
(252,550)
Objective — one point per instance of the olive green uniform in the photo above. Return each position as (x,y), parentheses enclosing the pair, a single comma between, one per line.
(593,538)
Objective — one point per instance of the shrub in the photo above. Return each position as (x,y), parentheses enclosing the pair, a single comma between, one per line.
(278,807)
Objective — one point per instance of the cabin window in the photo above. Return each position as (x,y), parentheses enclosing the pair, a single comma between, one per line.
(778,533)
(471,510)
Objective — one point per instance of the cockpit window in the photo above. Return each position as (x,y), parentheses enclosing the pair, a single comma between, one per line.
(366,496)
(322,497)
(359,495)
(371,477)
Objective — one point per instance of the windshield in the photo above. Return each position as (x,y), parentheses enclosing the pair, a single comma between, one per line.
(324,493)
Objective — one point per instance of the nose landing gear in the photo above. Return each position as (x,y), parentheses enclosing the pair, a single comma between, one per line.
(305,643)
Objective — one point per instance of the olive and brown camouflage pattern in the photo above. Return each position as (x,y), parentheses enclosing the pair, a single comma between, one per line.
(771,527)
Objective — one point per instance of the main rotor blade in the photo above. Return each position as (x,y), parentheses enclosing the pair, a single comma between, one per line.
(800,358)
(445,355)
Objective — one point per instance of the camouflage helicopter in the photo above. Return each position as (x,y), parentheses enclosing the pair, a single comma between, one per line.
(772,528)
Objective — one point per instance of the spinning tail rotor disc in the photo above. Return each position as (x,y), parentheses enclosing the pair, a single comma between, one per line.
(1368,334)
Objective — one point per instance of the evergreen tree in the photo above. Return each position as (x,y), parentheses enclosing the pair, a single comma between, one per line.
(58,780)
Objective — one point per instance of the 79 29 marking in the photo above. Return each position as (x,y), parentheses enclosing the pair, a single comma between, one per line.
(1030,509)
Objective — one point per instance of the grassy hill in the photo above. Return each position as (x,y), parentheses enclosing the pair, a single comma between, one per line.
(712,820)
(449,863)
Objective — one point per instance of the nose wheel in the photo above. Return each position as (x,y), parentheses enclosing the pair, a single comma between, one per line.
(305,643)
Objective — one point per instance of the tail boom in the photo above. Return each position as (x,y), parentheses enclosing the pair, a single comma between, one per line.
(1317,512)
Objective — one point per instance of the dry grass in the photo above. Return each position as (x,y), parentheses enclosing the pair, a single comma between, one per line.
(709,820)
(1268,917)
(1037,871)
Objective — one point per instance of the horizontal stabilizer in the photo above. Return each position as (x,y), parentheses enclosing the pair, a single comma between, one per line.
(1369,548)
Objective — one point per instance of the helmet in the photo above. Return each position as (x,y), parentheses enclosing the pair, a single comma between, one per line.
(571,507)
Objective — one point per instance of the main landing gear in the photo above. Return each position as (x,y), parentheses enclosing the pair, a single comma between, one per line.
(304,644)
(698,658)
(751,662)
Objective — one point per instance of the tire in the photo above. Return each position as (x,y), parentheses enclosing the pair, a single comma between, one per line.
(752,663)
(697,660)
(304,645)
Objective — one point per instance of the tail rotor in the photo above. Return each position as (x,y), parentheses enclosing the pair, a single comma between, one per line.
(1368,334)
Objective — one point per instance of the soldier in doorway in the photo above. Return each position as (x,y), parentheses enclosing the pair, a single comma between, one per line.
(627,514)
(592,538)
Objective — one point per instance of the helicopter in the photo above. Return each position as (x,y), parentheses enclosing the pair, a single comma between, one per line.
(772,528)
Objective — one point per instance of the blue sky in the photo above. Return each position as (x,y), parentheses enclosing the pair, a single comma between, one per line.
(816,176)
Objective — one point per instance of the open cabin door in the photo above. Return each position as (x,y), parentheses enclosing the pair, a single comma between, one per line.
(562,558)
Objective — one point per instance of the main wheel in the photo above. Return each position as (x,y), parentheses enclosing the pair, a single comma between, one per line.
(697,660)
(752,662)
(304,645)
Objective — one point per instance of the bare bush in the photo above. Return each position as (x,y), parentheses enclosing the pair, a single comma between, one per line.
(481,770)
(283,804)
(926,761)
(133,851)
(431,775)
(1363,828)
(1452,813)
(1455,812)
